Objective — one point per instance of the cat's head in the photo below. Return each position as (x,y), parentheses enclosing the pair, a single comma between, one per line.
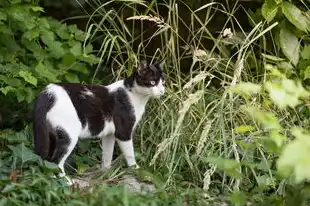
(149,79)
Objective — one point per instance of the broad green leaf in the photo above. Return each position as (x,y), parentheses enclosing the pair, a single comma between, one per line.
(88,49)
(71,77)
(269,10)
(80,67)
(244,129)
(20,94)
(30,95)
(247,88)
(50,166)
(295,16)
(47,37)
(28,77)
(7,89)
(31,34)
(68,60)
(238,198)
(268,120)
(294,159)
(76,50)
(43,71)
(37,8)
(44,22)
(10,43)
(56,49)
(286,93)
(14,82)
(290,45)
(63,32)
(305,53)
(306,73)
(21,152)
(3,16)
(79,35)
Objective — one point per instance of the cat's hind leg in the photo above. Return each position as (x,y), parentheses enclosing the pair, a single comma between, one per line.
(107,147)
(65,143)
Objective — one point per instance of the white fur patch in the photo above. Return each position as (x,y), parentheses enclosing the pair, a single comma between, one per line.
(85,133)
(87,92)
(63,113)
(109,128)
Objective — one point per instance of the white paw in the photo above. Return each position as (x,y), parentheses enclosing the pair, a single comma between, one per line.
(68,180)
(135,166)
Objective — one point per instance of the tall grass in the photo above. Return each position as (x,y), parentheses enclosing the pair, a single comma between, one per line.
(196,119)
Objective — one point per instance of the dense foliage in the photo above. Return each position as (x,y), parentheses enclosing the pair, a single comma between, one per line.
(233,126)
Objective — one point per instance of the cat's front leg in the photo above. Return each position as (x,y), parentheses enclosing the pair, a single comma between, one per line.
(128,151)
(107,146)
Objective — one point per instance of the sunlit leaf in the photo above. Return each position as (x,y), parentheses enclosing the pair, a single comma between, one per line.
(294,15)
(290,45)
(28,77)
(269,10)
(244,129)
(7,89)
(305,53)
(247,88)
(267,119)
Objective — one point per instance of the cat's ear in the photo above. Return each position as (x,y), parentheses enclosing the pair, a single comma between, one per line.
(143,65)
(161,64)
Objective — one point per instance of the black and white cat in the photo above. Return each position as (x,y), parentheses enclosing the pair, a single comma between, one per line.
(66,112)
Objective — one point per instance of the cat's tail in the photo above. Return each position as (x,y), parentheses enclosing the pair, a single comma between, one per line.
(43,104)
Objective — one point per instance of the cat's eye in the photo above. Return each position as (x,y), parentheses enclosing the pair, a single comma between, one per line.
(153,83)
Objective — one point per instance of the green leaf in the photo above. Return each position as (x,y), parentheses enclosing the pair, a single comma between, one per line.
(37,8)
(3,16)
(71,77)
(290,45)
(14,82)
(305,53)
(76,50)
(50,166)
(286,93)
(267,119)
(63,32)
(7,89)
(294,159)
(294,15)
(56,49)
(43,71)
(306,73)
(20,94)
(31,34)
(28,77)
(80,67)
(269,10)
(68,60)
(247,88)
(21,152)
(244,129)
(30,95)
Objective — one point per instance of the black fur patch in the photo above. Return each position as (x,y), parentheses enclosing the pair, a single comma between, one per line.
(92,109)
(145,75)
(62,142)
(40,127)
(123,116)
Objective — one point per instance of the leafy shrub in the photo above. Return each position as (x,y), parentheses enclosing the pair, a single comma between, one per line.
(35,51)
